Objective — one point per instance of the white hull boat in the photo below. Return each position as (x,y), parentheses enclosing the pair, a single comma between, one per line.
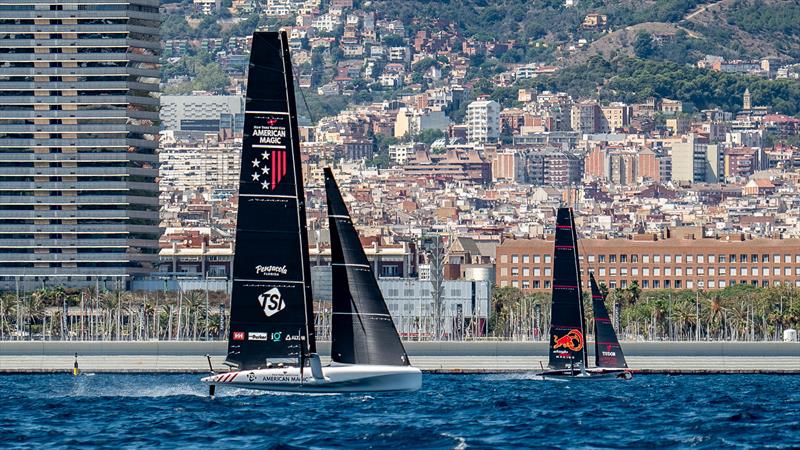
(336,378)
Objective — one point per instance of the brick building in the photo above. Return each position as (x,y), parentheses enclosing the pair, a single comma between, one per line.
(685,260)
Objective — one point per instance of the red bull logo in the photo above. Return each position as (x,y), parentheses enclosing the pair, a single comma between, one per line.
(571,341)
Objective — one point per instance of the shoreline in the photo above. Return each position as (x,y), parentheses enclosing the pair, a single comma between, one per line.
(482,357)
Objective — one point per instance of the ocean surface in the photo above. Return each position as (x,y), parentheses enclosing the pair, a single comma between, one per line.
(451,411)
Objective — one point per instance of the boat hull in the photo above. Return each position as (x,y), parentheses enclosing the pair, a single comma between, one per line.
(597,374)
(337,378)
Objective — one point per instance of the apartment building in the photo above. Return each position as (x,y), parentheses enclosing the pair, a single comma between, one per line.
(483,121)
(683,260)
(696,161)
(78,139)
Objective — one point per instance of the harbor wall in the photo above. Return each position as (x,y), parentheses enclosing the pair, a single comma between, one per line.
(446,357)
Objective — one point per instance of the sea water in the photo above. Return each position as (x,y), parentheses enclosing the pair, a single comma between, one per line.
(451,411)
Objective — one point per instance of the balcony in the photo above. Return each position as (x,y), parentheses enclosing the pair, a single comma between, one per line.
(26,200)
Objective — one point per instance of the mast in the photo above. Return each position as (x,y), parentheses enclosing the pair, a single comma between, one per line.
(607,350)
(567,324)
(271,302)
(362,330)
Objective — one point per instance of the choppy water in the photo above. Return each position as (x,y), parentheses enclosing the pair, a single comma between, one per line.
(451,411)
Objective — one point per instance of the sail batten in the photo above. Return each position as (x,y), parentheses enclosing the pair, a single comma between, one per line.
(607,350)
(362,329)
(271,302)
(567,324)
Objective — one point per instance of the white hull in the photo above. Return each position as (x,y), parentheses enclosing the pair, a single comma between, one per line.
(337,378)
(596,374)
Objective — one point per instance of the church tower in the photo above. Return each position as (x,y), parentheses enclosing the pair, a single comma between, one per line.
(746,104)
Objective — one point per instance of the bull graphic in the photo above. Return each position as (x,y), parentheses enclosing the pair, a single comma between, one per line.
(571,341)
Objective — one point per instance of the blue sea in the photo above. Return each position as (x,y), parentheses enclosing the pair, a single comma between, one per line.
(450,412)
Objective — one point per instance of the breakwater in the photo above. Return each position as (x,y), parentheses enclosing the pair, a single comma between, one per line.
(451,357)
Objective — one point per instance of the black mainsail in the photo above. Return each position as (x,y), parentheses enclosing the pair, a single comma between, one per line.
(362,330)
(271,303)
(607,351)
(567,324)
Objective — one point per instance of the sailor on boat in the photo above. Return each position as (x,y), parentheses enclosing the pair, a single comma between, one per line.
(271,344)
(568,355)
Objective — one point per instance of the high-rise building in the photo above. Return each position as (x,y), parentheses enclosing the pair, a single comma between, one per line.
(483,121)
(78,139)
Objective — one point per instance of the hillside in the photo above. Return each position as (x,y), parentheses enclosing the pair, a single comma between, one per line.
(685,30)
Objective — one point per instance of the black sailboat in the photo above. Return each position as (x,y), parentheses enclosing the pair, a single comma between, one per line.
(362,330)
(568,355)
(607,351)
(271,338)
(271,303)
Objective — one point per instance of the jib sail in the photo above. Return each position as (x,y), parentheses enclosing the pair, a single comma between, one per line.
(271,303)
(567,328)
(362,330)
(608,352)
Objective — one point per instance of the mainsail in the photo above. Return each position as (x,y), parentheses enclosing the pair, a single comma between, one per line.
(567,324)
(362,330)
(607,351)
(271,303)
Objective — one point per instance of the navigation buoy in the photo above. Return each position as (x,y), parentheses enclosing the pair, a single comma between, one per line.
(75,370)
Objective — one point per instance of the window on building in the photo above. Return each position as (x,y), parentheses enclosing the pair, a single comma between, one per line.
(700,259)
(711,259)
(764,258)
(754,271)
(701,271)
(787,271)
(612,284)
(776,258)
(536,284)
(689,284)
(657,272)
(613,271)
(689,259)
(645,284)
(677,284)
(635,271)
(503,271)
(753,258)
(743,271)
(515,284)
(645,259)
(602,271)
(722,258)
(797,258)
(515,271)
(666,284)
(646,271)
(667,271)
(623,271)
(722,284)
(548,272)
(526,259)
(656,258)
(537,259)
(787,258)
(634,258)
(678,259)
(623,284)
(667,259)
(623,258)
(547,284)
(537,272)
(514,259)
(742,258)
(678,272)
(765,271)
(503,258)
(602,258)
(711,271)
(711,284)
(526,272)
(764,283)
(723,271)
(547,259)
(689,271)
(526,284)
(656,284)
(612,258)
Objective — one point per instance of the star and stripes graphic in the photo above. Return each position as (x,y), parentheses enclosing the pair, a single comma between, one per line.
(269,168)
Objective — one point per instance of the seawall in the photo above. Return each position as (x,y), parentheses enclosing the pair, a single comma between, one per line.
(444,357)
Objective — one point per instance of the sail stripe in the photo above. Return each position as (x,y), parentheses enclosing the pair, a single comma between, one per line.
(339,217)
(367,266)
(283,113)
(362,314)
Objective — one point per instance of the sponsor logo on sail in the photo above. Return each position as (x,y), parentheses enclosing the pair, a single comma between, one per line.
(571,341)
(276,336)
(251,377)
(271,271)
(238,335)
(298,337)
(271,302)
(269,167)
(257,336)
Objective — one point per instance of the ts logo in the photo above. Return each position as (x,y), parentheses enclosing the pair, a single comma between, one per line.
(272,302)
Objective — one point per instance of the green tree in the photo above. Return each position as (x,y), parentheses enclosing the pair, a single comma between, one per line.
(643,47)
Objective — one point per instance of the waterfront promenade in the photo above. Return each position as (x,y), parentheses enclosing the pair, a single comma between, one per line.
(451,357)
